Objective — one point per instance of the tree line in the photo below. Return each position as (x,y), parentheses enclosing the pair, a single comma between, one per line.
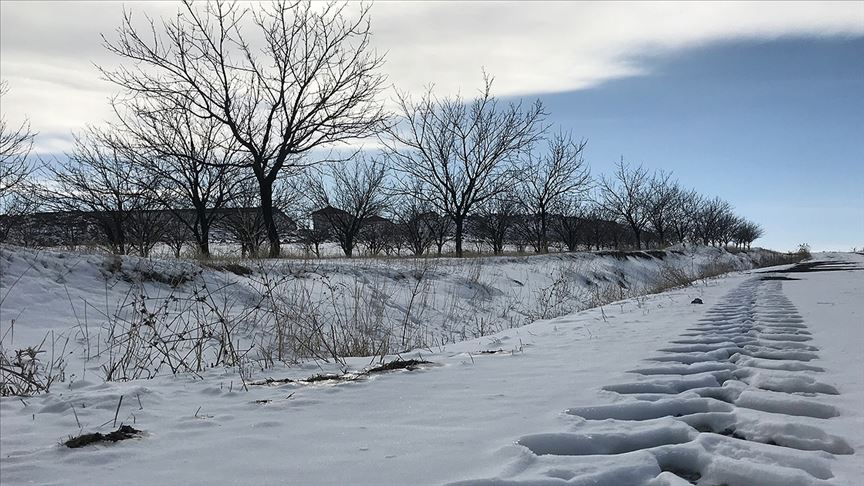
(232,117)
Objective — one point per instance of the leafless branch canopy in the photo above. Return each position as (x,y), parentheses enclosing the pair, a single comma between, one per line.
(96,177)
(15,147)
(463,152)
(192,161)
(281,80)
(349,198)
(551,178)
(623,196)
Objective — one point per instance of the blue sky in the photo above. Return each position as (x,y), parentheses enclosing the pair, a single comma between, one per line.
(775,127)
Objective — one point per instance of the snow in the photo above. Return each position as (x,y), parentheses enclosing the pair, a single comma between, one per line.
(418,302)
(648,390)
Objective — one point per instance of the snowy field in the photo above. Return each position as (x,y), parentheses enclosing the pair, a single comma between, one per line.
(762,384)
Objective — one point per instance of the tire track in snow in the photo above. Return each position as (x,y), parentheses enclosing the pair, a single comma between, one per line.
(733,401)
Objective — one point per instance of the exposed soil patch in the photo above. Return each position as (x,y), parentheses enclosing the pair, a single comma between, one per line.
(312,379)
(273,381)
(329,377)
(399,364)
(123,433)
(780,278)
(396,364)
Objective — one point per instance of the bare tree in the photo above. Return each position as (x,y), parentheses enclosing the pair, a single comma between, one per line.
(712,219)
(15,147)
(312,83)
(147,226)
(176,236)
(416,220)
(685,209)
(442,229)
(421,224)
(623,195)
(195,164)
(312,238)
(14,209)
(661,196)
(549,179)
(350,196)
(727,226)
(244,224)
(495,220)
(16,193)
(746,232)
(379,234)
(568,222)
(96,178)
(463,152)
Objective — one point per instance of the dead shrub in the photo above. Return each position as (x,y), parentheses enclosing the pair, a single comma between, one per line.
(32,370)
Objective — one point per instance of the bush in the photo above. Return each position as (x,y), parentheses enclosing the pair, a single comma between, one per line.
(24,372)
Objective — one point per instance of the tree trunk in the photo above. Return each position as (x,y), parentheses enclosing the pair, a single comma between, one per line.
(121,238)
(638,235)
(204,236)
(204,245)
(348,247)
(459,221)
(417,247)
(267,214)
(544,243)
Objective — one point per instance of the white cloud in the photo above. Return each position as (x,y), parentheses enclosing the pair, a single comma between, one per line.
(534,47)
(48,48)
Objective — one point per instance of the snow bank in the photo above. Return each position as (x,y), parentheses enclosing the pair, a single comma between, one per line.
(392,304)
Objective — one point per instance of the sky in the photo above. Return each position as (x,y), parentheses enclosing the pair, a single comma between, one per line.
(759,103)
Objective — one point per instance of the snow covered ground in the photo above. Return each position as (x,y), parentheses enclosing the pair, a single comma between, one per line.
(401,303)
(763,384)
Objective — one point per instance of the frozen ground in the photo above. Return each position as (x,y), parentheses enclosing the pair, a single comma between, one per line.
(760,385)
